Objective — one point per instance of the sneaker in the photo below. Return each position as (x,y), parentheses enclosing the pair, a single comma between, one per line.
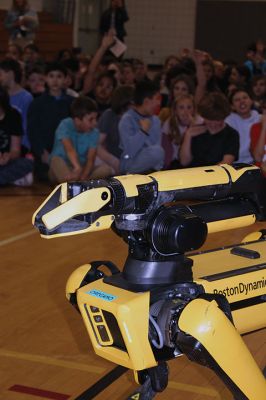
(26,180)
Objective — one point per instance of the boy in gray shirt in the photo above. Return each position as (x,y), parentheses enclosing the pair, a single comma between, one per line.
(140,132)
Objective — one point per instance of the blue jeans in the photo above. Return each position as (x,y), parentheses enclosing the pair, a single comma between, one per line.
(149,158)
(15,169)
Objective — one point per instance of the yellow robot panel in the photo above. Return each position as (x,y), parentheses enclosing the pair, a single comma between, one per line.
(84,203)
(197,177)
(117,322)
(75,279)
(240,279)
(232,223)
(130,183)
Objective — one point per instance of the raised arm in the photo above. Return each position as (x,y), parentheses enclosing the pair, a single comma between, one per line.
(107,41)
(199,56)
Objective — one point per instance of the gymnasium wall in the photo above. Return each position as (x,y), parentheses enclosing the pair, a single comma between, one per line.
(158,28)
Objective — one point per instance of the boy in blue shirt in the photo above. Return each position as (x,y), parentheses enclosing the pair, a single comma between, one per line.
(76,140)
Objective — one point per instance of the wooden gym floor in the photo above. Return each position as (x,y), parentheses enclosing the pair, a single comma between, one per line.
(45,351)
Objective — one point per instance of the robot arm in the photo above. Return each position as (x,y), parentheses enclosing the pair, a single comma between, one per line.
(232,197)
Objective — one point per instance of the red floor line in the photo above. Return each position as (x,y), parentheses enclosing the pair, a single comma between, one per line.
(39,392)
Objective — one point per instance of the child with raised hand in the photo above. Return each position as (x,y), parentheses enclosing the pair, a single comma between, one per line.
(182,116)
(103,90)
(75,147)
(214,142)
(95,65)
(206,80)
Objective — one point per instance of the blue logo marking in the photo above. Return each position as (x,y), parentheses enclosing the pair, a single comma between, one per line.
(101,295)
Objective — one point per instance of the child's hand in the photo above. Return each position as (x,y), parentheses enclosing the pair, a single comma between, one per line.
(77,170)
(74,174)
(4,158)
(185,53)
(200,56)
(190,119)
(109,39)
(45,156)
(196,130)
(84,177)
(145,125)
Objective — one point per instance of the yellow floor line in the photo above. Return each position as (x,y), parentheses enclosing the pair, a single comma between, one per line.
(194,389)
(52,361)
(99,370)
(17,237)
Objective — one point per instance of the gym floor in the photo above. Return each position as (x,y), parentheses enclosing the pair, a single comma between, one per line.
(45,350)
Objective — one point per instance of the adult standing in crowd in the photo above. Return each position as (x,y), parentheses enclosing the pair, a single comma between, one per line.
(21,21)
(114,18)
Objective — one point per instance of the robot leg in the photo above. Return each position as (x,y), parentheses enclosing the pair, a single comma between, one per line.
(208,337)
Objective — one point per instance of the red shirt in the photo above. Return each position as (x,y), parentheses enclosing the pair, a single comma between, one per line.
(254,136)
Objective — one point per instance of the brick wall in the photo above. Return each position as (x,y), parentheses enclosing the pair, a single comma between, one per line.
(157,29)
(36,4)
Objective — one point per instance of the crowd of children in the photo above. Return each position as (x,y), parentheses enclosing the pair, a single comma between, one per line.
(77,117)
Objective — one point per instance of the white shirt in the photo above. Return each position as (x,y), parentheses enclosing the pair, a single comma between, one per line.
(242,126)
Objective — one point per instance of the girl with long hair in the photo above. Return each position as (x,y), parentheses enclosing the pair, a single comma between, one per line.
(182,116)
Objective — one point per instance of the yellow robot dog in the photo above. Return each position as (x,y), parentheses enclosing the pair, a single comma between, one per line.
(200,314)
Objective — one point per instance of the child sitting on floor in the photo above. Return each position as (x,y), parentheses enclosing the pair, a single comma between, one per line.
(215,142)
(140,132)
(241,119)
(13,168)
(182,116)
(76,140)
